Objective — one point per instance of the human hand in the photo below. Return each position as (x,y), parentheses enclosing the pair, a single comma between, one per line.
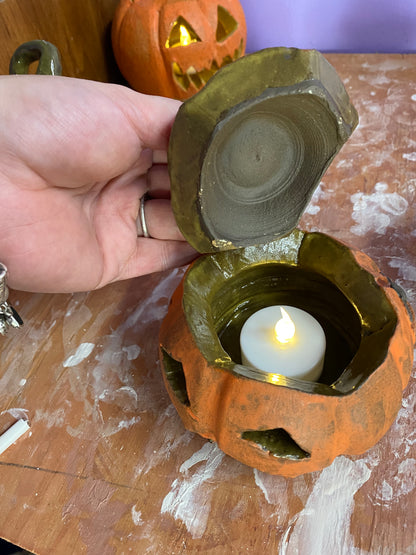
(76,156)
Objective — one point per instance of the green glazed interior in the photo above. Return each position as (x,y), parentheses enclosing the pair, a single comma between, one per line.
(309,270)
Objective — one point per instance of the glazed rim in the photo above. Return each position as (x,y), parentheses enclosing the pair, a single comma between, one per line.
(308,270)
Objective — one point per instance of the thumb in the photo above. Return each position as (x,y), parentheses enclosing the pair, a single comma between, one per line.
(151,117)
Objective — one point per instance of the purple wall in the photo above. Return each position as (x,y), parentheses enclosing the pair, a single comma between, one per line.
(332,25)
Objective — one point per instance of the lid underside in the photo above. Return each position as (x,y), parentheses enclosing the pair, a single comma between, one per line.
(248,151)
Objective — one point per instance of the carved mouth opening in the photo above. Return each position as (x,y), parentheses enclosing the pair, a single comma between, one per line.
(277,442)
(186,78)
(176,377)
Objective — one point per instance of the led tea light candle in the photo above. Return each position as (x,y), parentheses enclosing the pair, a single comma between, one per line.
(284,340)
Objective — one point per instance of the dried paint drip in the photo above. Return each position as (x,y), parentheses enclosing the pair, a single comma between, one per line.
(376,211)
(112,358)
(326,516)
(189,500)
(83,352)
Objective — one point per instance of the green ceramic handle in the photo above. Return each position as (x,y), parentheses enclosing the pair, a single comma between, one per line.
(29,52)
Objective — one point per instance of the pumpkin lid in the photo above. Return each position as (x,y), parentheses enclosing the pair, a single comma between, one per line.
(247,152)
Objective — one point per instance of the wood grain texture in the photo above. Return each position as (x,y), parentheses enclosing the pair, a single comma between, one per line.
(79,28)
(107,467)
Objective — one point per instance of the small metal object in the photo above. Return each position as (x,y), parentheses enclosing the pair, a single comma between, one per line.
(8,315)
(142,218)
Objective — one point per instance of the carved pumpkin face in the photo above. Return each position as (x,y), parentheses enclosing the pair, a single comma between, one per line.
(172,47)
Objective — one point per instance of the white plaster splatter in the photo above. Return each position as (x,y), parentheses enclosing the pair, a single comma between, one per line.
(410,156)
(109,427)
(120,425)
(83,351)
(406,270)
(39,339)
(375,211)
(345,163)
(16,413)
(110,376)
(414,97)
(397,479)
(313,207)
(158,449)
(125,397)
(405,479)
(132,351)
(385,65)
(136,516)
(274,489)
(51,419)
(377,80)
(386,491)
(186,501)
(401,439)
(78,307)
(22,382)
(324,521)
(398,482)
(152,308)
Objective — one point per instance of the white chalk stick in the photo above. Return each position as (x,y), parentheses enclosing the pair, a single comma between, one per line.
(13,433)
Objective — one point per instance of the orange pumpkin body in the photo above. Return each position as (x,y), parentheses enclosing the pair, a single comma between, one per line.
(172,47)
(213,400)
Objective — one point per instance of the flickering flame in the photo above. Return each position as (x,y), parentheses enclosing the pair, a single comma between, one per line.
(284,328)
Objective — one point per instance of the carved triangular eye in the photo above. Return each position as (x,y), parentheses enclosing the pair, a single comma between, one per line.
(226,24)
(181,34)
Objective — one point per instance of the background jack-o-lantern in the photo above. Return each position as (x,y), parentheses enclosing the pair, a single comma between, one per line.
(172,47)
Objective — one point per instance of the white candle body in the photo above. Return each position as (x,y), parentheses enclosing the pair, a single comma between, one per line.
(302,357)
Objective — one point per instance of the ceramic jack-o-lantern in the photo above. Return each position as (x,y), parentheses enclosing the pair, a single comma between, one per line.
(263,132)
(173,47)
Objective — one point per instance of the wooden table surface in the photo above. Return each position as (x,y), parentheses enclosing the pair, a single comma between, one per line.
(107,466)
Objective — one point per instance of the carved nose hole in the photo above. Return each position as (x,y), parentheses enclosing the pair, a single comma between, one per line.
(278,442)
(176,378)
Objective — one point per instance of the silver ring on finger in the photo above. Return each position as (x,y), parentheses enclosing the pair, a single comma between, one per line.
(143,232)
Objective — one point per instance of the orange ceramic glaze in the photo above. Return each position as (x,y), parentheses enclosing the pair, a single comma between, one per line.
(322,421)
(172,47)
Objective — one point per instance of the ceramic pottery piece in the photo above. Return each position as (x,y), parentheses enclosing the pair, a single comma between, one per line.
(247,152)
(172,47)
(40,51)
(276,424)
(245,156)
